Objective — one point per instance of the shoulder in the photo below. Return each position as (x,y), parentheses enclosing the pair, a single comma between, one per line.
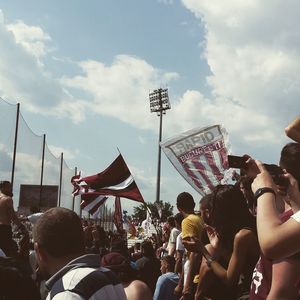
(5,198)
(88,282)
(138,289)
(245,238)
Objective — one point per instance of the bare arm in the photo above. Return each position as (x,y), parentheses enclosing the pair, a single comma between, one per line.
(244,242)
(178,259)
(171,249)
(276,240)
(293,130)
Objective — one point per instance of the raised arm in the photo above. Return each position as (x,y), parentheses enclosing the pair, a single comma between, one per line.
(293,130)
(276,240)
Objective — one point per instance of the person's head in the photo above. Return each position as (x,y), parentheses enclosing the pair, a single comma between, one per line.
(6,188)
(185,203)
(290,160)
(137,246)
(58,238)
(147,249)
(178,220)
(119,264)
(167,264)
(171,221)
(230,213)
(205,207)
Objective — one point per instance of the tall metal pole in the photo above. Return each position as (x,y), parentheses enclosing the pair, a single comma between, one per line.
(60,178)
(15,146)
(159,150)
(73,203)
(42,170)
(159,103)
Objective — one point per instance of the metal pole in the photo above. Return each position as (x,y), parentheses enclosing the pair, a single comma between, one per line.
(73,203)
(42,170)
(15,146)
(60,178)
(159,150)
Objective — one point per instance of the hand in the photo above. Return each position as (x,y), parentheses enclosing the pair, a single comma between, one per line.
(178,290)
(187,293)
(213,236)
(252,169)
(192,245)
(263,179)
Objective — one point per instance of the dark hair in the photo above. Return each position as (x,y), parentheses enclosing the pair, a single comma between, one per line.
(59,232)
(170,260)
(147,249)
(3,183)
(14,283)
(171,221)
(206,201)
(230,213)
(290,160)
(246,181)
(185,201)
(178,218)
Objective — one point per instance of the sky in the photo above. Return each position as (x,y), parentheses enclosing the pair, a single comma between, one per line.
(82,72)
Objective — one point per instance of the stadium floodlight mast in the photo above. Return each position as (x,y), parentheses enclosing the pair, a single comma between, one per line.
(159,103)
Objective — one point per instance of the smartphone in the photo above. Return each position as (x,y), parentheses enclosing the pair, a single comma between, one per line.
(237,162)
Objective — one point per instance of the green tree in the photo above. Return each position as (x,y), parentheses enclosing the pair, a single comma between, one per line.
(139,212)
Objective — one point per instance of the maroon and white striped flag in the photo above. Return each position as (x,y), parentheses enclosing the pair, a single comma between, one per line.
(91,203)
(116,180)
(200,156)
(118,215)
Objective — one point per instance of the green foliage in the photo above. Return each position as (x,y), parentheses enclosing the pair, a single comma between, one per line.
(139,212)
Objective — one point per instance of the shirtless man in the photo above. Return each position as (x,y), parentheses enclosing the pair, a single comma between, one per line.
(7,215)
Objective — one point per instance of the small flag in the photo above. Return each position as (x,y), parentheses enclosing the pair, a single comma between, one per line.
(118,215)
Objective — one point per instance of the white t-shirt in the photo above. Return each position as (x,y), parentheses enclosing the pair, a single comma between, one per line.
(179,245)
(34,217)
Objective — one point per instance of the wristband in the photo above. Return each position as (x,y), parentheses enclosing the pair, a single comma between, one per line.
(262,191)
(209,261)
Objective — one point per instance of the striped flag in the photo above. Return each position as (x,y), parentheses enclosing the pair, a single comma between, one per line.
(116,180)
(91,203)
(200,156)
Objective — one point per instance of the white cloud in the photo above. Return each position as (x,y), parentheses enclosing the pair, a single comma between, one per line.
(253,52)
(25,79)
(67,153)
(120,90)
(32,38)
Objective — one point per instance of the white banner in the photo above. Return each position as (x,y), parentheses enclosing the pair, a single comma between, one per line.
(200,156)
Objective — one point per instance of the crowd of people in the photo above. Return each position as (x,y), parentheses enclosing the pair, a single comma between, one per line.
(242,242)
